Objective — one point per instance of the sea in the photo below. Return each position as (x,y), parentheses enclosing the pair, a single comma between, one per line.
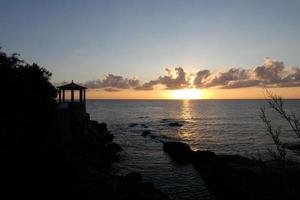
(221,126)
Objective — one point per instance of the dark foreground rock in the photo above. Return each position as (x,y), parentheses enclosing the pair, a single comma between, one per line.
(174,124)
(97,178)
(132,125)
(79,166)
(178,151)
(128,187)
(237,177)
(146,133)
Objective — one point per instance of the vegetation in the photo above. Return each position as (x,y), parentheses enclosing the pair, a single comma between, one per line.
(277,104)
(27,102)
(42,158)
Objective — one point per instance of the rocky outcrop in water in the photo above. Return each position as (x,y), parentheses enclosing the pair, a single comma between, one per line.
(178,151)
(146,133)
(237,177)
(174,124)
(95,153)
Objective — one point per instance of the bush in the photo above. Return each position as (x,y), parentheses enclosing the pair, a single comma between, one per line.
(277,104)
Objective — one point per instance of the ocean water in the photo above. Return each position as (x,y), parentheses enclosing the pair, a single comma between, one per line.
(222,126)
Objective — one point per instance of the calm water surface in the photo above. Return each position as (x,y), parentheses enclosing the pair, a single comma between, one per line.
(222,126)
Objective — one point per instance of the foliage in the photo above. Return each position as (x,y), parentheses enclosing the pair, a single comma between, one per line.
(277,104)
(274,133)
(28,101)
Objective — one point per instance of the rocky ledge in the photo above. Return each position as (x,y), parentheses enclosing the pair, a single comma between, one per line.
(237,177)
(95,153)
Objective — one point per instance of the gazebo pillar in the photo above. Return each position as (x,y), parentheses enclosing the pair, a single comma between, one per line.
(83,95)
(59,95)
(63,95)
(72,95)
(80,96)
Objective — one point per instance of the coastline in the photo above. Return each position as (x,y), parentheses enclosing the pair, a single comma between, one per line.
(238,177)
(92,153)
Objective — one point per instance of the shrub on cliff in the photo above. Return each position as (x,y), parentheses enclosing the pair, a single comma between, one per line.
(27,101)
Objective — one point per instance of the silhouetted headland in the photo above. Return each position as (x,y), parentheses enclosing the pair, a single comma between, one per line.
(51,149)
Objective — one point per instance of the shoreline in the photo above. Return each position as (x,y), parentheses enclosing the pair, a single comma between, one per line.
(93,153)
(238,177)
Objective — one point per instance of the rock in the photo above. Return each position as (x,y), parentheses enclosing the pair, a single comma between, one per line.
(178,151)
(133,177)
(144,125)
(153,136)
(132,125)
(102,126)
(173,124)
(148,186)
(107,138)
(113,148)
(145,133)
(203,157)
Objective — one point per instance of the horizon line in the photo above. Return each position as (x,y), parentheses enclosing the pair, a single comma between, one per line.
(191,99)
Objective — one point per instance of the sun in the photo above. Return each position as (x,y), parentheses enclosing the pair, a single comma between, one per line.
(187,94)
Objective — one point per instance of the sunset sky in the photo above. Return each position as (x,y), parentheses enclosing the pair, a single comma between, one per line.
(159,49)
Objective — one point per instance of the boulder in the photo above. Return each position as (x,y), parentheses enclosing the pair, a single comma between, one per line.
(106,138)
(178,150)
(203,157)
(133,177)
(132,125)
(173,124)
(153,136)
(145,133)
(144,125)
(113,148)
(102,126)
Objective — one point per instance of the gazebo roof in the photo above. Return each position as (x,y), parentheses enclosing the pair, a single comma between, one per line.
(71,86)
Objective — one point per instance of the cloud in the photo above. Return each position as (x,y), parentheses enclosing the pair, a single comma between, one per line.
(93,84)
(147,86)
(201,77)
(271,73)
(113,83)
(119,82)
(241,84)
(111,89)
(170,81)
(173,83)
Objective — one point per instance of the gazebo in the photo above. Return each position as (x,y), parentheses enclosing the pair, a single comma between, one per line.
(71,110)
(71,87)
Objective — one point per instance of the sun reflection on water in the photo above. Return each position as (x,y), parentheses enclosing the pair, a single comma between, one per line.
(186,111)
(187,132)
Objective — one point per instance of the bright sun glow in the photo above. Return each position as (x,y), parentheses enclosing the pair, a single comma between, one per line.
(187,94)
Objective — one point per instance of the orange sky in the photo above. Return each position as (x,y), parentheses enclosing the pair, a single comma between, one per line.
(244,93)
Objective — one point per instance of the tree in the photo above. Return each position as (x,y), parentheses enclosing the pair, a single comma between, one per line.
(28,102)
(277,104)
